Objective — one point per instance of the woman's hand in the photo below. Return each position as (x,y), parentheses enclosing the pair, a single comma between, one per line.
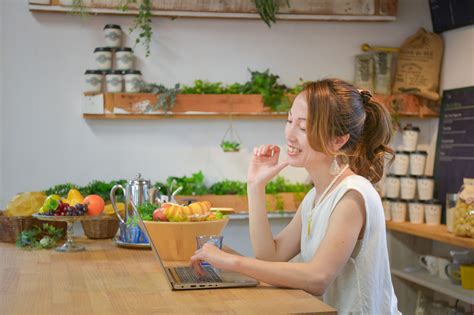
(264,164)
(214,256)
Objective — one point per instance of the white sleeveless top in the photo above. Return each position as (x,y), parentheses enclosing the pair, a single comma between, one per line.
(364,285)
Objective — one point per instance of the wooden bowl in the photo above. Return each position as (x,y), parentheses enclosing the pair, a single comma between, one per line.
(177,240)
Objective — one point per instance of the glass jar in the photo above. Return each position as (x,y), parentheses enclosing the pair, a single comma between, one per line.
(408,187)
(113,35)
(133,81)
(387,204)
(400,165)
(410,137)
(464,213)
(124,58)
(416,211)
(451,200)
(418,162)
(392,186)
(93,81)
(103,58)
(425,185)
(432,212)
(399,210)
(114,81)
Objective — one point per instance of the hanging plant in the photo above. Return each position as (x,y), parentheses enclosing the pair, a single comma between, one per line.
(142,22)
(267,9)
(166,99)
(230,146)
(231,140)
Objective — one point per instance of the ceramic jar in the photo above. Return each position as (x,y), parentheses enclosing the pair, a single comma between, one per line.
(398,210)
(114,81)
(387,204)
(425,185)
(408,187)
(113,35)
(124,58)
(93,81)
(433,212)
(392,186)
(410,137)
(418,162)
(133,80)
(416,211)
(400,165)
(103,58)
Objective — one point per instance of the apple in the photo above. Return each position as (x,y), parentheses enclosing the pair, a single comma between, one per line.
(159,215)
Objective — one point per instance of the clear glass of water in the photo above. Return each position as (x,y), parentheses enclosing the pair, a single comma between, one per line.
(215,240)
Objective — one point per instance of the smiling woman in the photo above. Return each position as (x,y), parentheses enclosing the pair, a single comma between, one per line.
(339,229)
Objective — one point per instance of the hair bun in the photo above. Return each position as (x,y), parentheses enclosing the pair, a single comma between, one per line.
(366,95)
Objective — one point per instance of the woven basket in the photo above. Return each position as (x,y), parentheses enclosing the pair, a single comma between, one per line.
(105,227)
(10,227)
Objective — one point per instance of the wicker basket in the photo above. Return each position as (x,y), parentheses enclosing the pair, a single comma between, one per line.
(105,227)
(10,227)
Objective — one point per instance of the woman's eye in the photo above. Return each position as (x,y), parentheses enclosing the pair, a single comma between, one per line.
(303,129)
(289,121)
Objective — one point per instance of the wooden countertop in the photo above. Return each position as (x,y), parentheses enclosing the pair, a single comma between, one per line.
(106,279)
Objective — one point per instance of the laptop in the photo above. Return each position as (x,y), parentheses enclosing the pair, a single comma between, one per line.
(185,278)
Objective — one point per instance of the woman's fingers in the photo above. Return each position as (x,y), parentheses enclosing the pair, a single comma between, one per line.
(266,150)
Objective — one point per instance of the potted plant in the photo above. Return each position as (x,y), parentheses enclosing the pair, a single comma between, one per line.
(230,146)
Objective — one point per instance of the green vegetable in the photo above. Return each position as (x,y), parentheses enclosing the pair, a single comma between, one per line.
(219,215)
(146,210)
(37,238)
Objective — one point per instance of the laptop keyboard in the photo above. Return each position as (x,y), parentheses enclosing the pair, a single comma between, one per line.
(188,275)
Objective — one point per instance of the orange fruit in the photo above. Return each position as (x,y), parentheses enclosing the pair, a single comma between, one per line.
(95,204)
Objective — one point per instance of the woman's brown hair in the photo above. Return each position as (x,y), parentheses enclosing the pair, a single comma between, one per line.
(337,108)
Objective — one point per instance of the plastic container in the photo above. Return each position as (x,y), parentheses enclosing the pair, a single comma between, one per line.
(93,80)
(408,187)
(124,58)
(113,35)
(103,58)
(399,210)
(416,211)
(400,165)
(387,204)
(410,137)
(425,185)
(133,81)
(114,81)
(464,213)
(418,162)
(451,200)
(392,186)
(432,212)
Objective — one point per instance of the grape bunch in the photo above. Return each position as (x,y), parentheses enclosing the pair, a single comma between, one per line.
(64,209)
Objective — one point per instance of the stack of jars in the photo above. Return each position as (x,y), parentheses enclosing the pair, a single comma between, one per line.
(407,189)
(115,63)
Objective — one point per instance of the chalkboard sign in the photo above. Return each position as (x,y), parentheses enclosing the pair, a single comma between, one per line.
(450,14)
(455,146)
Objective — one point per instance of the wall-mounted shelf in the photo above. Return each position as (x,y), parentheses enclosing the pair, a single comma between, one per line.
(423,278)
(250,116)
(433,232)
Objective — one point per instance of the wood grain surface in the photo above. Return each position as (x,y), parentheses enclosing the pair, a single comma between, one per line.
(106,279)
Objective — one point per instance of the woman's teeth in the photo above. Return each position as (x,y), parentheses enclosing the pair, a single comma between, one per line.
(293,150)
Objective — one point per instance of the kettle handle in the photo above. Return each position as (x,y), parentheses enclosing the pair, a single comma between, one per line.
(112,200)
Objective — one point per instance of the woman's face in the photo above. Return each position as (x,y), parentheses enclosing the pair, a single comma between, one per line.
(300,154)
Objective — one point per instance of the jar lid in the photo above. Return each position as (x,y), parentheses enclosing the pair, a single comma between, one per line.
(102,49)
(113,72)
(432,202)
(402,152)
(116,26)
(419,152)
(411,127)
(415,201)
(387,199)
(425,177)
(132,72)
(410,176)
(394,175)
(124,49)
(399,200)
(94,72)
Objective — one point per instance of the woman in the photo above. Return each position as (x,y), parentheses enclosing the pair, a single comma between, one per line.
(340,136)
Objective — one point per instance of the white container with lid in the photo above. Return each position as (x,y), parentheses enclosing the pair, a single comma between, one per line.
(114,81)
(408,187)
(113,35)
(425,185)
(400,165)
(392,186)
(433,212)
(103,58)
(410,137)
(124,58)
(416,211)
(418,162)
(399,210)
(133,81)
(387,204)
(93,81)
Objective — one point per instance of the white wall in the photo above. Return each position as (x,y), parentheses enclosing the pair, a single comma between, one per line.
(46,141)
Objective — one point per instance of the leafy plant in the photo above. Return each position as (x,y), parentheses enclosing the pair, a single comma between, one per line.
(193,185)
(37,238)
(396,123)
(204,87)
(280,184)
(267,10)
(146,210)
(61,189)
(142,22)
(228,187)
(166,99)
(230,146)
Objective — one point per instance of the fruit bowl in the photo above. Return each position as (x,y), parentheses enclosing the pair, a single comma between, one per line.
(177,240)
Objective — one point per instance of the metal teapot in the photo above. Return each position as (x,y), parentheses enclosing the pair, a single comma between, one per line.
(138,191)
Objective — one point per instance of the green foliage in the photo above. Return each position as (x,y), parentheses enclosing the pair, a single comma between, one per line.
(280,184)
(97,187)
(146,210)
(37,238)
(193,185)
(229,187)
(61,189)
(267,9)
(205,87)
(166,99)
(142,22)
(230,146)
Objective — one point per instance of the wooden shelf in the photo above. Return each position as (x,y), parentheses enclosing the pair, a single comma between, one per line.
(423,278)
(250,116)
(433,232)
(218,15)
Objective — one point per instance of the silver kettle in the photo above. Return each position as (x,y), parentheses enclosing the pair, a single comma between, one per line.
(138,191)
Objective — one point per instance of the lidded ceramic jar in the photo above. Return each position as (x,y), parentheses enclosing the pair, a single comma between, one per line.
(401,162)
(392,186)
(432,212)
(103,58)
(93,81)
(398,210)
(416,211)
(387,204)
(410,136)
(124,58)
(113,35)
(418,162)
(133,81)
(114,81)
(408,187)
(425,186)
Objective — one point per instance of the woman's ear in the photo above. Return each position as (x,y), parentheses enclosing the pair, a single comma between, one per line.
(339,142)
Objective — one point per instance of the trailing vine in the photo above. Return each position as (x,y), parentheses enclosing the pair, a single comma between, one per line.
(267,9)
(142,22)
(166,99)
